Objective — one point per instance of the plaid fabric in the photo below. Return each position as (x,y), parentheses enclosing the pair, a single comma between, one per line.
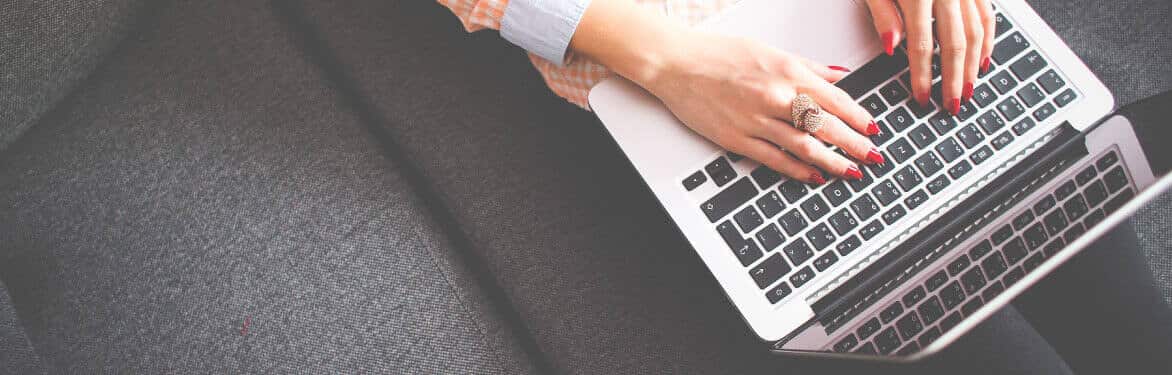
(574,80)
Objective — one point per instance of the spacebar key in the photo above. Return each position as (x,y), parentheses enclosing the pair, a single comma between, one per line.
(872,74)
(728,200)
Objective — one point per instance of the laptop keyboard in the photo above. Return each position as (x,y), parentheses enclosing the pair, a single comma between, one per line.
(928,310)
(786,232)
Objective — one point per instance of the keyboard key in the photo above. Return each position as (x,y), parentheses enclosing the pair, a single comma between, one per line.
(801,277)
(1002,234)
(1059,243)
(1023,219)
(1051,81)
(748,219)
(1115,179)
(936,280)
(1009,47)
(990,122)
(909,326)
(909,349)
(820,236)
(993,265)
(887,341)
(891,312)
(770,204)
(874,105)
(1086,175)
(921,111)
(1065,190)
(967,111)
(1003,82)
(868,348)
(1106,161)
(960,169)
(837,193)
(1077,230)
(981,155)
(769,270)
(915,199)
(950,321)
(972,305)
(908,178)
(894,214)
(1025,124)
(778,293)
(1014,251)
(984,95)
(993,290)
(1034,261)
(980,249)
(1013,276)
(728,200)
(843,222)
(846,344)
(1031,95)
(1044,204)
(765,177)
(1002,140)
(873,73)
(970,136)
(914,296)
(958,265)
(825,261)
(885,134)
(942,123)
(1075,207)
(885,192)
(770,237)
(798,252)
(952,295)
(1055,221)
(931,310)
(949,149)
(793,190)
(1043,112)
(1027,66)
(901,150)
(720,171)
(694,181)
(1002,25)
(893,92)
(972,280)
(921,136)
(862,183)
(848,245)
(1065,98)
(747,251)
(1010,108)
(871,230)
(1034,237)
(815,208)
(792,222)
(735,157)
(878,170)
(1095,193)
(864,207)
(869,328)
(1118,201)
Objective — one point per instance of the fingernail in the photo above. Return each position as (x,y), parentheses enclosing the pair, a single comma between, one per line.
(839,68)
(968,91)
(853,173)
(874,157)
(922,99)
(872,128)
(817,178)
(889,42)
(985,65)
(954,106)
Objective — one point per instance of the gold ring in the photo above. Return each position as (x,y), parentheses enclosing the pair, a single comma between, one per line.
(807,114)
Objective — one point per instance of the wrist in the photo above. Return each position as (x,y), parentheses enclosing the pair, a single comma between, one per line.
(637,43)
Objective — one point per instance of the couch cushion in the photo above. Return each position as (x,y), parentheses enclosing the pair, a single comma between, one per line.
(47,47)
(207,203)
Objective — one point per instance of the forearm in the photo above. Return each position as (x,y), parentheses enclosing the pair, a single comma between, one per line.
(631,40)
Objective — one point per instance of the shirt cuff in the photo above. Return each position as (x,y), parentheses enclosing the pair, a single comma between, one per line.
(543,27)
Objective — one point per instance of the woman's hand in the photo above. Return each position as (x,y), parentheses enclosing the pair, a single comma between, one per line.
(733,91)
(964,29)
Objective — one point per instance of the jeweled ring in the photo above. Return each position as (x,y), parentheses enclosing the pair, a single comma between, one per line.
(807,115)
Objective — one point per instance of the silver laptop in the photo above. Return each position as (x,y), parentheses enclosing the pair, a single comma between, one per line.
(968,212)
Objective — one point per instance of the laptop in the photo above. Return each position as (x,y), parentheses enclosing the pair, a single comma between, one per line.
(967,213)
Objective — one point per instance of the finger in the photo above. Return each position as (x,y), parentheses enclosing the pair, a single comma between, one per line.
(828,73)
(888,24)
(953,46)
(975,37)
(835,132)
(769,155)
(918,23)
(810,149)
(839,103)
(989,22)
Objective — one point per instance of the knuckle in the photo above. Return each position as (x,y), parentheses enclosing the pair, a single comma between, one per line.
(954,48)
(807,147)
(920,47)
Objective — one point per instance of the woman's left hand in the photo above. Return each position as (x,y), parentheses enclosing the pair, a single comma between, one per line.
(964,29)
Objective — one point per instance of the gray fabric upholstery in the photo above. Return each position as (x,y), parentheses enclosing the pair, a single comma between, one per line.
(206,176)
(47,47)
(17,355)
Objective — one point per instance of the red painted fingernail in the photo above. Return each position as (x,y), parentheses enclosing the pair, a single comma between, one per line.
(872,128)
(954,106)
(922,99)
(968,91)
(839,68)
(985,65)
(817,178)
(853,173)
(875,157)
(889,42)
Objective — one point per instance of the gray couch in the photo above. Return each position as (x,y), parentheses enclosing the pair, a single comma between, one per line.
(363,187)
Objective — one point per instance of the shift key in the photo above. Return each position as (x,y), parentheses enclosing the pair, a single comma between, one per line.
(728,200)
